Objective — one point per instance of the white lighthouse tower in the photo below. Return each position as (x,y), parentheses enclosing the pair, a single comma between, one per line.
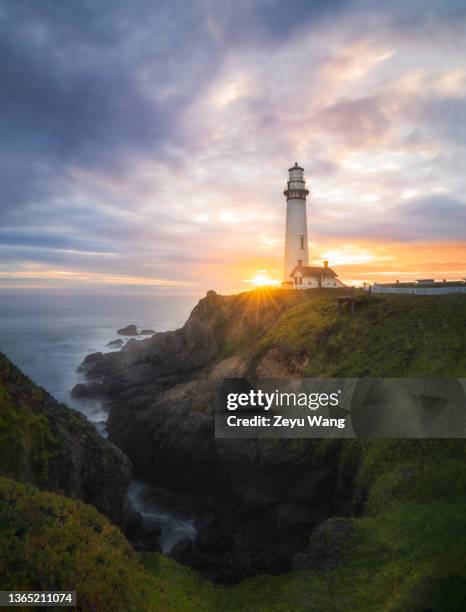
(296,247)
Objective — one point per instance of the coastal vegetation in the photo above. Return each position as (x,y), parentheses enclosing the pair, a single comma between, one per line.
(394,534)
(405,554)
(387,336)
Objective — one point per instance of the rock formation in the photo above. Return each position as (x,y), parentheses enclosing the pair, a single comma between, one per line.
(161,398)
(129,330)
(47,444)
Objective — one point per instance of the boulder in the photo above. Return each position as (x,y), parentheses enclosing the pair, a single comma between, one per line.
(129,330)
(330,542)
(85,391)
(116,343)
(89,361)
(144,537)
(92,358)
(132,344)
(79,391)
(147,332)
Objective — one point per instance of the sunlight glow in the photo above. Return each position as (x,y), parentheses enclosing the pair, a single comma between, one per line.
(261,280)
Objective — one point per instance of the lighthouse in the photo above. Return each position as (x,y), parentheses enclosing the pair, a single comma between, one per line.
(296,247)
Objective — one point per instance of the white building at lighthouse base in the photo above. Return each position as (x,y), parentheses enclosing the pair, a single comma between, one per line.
(314,277)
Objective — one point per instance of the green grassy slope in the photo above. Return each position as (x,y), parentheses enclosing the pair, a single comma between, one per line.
(391,336)
(405,554)
(49,542)
(48,445)
(26,442)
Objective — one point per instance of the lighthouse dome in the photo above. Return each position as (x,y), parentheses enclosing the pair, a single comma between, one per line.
(296,173)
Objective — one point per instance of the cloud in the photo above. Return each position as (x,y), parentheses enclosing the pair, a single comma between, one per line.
(435,217)
(355,122)
(136,136)
(431,218)
(354,62)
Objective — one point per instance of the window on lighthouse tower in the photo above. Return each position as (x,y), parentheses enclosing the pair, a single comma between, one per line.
(301,238)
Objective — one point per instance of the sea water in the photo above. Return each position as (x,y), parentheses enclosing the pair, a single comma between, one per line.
(48,335)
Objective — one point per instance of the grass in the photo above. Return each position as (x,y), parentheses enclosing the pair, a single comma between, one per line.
(26,442)
(406,554)
(390,336)
(48,542)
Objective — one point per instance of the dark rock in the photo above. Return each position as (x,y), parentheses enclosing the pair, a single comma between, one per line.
(185,550)
(89,361)
(94,389)
(254,499)
(92,358)
(79,391)
(129,330)
(229,548)
(116,343)
(330,542)
(84,391)
(147,332)
(291,518)
(144,537)
(131,344)
(266,495)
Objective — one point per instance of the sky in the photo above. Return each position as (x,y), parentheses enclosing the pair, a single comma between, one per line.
(145,144)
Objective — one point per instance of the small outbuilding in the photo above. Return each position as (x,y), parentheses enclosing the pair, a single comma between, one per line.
(314,277)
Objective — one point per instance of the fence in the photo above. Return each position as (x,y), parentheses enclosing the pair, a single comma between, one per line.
(418,290)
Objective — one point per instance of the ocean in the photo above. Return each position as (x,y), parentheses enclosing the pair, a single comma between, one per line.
(48,336)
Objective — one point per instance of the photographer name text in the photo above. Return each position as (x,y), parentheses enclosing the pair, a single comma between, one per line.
(281,421)
(258,399)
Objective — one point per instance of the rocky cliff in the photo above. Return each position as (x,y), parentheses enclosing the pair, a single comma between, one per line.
(266,494)
(46,444)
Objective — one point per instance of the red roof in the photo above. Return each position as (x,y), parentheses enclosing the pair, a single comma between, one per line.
(313,271)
